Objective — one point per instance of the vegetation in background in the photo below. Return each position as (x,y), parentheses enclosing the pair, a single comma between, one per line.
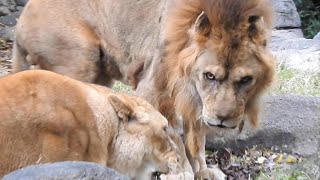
(290,81)
(309,11)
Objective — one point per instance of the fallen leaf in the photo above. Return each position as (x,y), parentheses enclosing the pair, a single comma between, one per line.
(279,159)
(261,160)
(291,159)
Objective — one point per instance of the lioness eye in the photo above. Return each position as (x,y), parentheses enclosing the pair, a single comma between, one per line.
(246,80)
(209,76)
(165,129)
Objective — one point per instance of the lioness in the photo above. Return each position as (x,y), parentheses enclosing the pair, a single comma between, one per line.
(47,117)
(204,60)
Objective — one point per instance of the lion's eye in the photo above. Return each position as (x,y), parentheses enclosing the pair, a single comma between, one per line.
(165,129)
(246,80)
(209,76)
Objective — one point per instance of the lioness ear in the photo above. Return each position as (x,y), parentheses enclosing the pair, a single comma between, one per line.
(202,24)
(122,106)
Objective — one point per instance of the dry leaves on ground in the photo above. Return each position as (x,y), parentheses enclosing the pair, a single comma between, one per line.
(250,162)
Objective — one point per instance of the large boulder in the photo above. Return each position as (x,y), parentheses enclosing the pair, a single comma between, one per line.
(286,14)
(295,52)
(317,36)
(65,170)
(7,33)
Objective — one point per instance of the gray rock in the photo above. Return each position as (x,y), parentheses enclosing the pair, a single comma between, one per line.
(8,20)
(21,2)
(317,36)
(65,170)
(287,34)
(4,11)
(19,8)
(296,53)
(3,3)
(7,33)
(289,122)
(12,5)
(286,14)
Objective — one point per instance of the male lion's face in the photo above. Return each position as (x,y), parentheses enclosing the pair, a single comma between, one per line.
(225,87)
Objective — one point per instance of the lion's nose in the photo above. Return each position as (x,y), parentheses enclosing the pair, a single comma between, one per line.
(222,117)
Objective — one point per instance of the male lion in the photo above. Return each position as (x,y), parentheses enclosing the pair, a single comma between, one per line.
(204,60)
(47,117)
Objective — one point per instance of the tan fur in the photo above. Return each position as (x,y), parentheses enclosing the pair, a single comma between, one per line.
(164,49)
(46,117)
(230,48)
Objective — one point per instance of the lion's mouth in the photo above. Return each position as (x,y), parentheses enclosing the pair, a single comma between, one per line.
(156,175)
(222,126)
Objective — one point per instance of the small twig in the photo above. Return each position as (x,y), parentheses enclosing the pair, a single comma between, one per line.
(265,176)
(306,175)
(40,157)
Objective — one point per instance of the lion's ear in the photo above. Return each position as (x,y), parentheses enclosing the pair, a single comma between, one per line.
(257,29)
(253,28)
(122,106)
(203,25)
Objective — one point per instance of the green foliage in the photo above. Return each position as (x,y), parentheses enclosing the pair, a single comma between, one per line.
(290,81)
(118,86)
(280,175)
(309,12)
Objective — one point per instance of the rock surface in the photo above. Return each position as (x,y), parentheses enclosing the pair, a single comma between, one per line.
(11,19)
(7,33)
(317,37)
(286,14)
(293,51)
(66,170)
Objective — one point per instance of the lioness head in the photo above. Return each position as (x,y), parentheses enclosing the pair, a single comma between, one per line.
(224,61)
(142,141)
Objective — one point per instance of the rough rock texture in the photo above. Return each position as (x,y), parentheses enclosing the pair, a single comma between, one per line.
(286,14)
(289,122)
(317,37)
(65,170)
(7,33)
(293,51)
(11,19)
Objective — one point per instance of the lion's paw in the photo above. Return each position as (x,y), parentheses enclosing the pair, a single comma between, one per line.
(210,173)
(180,176)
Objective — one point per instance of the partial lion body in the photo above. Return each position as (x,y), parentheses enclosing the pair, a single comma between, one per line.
(81,38)
(47,117)
(203,60)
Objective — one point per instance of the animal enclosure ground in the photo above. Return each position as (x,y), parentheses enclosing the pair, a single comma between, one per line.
(252,163)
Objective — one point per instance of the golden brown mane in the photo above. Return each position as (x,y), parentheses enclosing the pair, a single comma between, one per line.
(224,15)
(230,26)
